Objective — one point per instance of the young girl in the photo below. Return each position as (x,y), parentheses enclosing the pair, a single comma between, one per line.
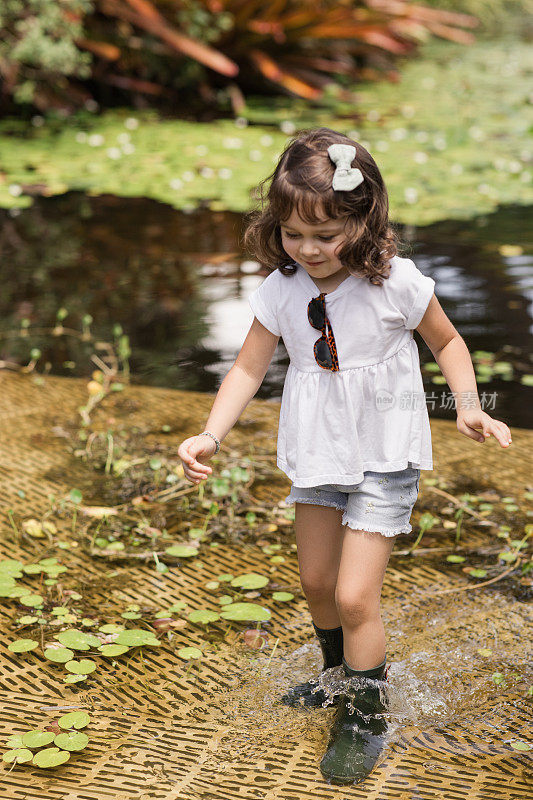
(353,430)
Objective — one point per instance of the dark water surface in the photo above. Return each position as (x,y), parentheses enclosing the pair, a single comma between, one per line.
(178,283)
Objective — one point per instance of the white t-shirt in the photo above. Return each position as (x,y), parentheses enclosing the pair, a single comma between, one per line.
(371,414)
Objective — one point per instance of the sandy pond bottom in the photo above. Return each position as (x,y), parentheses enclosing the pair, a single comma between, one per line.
(218,730)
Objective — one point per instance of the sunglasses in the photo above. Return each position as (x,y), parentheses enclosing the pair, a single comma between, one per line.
(325,349)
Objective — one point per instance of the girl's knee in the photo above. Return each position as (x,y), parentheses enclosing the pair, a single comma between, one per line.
(355,606)
(318,586)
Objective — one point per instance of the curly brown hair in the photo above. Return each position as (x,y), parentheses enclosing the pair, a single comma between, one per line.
(302,181)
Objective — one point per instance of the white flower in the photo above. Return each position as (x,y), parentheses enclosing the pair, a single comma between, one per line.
(201,149)
(499,164)
(484,188)
(420,157)
(397,134)
(241,122)
(207,172)
(14,212)
(187,175)
(175,183)
(37,121)
(408,111)
(131,123)
(232,143)
(123,138)
(373,115)
(81,137)
(439,142)
(15,190)
(410,194)
(287,126)
(225,173)
(456,169)
(515,166)
(266,140)
(114,152)
(476,133)
(95,140)
(255,155)
(128,148)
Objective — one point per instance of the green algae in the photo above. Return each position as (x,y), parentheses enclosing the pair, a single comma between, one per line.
(451,139)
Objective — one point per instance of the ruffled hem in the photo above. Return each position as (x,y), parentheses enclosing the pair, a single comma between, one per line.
(352,479)
(359,526)
(315,502)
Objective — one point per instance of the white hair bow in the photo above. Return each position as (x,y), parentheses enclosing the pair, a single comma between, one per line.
(345,176)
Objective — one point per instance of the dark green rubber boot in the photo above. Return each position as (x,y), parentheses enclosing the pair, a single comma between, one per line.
(357,737)
(332,644)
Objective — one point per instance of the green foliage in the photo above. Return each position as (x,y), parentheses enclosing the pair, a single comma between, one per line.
(37,45)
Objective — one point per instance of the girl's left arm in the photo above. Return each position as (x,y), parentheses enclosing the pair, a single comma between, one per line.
(451,354)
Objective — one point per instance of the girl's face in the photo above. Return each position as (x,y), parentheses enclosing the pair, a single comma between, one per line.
(314,246)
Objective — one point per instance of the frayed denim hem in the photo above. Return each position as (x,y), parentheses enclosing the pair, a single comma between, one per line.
(315,502)
(358,526)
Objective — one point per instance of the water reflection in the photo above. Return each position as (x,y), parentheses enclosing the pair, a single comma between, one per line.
(178,285)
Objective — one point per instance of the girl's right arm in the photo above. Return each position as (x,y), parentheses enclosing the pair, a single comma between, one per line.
(236,390)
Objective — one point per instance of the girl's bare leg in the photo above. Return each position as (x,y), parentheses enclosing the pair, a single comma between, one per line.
(319,541)
(364,559)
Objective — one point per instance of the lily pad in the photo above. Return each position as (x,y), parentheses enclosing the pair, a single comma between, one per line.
(82,667)
(37,738)
(282,597)
(71,741)
(251,580)
(22,645)
(113,649)
(182,550)
(75,719)
(20,756)
(189,652)
(59,655)
(51,757)
(136,637)
(245,612)
(203,616)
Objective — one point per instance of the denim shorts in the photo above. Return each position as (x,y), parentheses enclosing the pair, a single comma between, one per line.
(381,503)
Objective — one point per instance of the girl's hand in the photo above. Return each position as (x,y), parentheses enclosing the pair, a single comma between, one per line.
(471,419)
(193,452)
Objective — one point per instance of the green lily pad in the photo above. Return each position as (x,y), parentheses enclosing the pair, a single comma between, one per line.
(59,655)
(75,719)
(251,580)
(189,652)
(74,678)
(282,597)
(51,757)
(111,627)
(245,612)
(14,741)
(179,606)
(37,738)
(113,649)
(20,756)
(136,637)
(71,741)
(203,616)
(82,667)
(27,620)
(10,566)
(31,600)
(520,745)
(78,640)
(455,559)
(181,550)
(22,645)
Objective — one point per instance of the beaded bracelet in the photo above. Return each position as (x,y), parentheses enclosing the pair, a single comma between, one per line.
(212,435)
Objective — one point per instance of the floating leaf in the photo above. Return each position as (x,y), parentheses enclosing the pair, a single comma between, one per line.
(75,719)
(19,756)
(455,559)
(179,606)
(10,566)
(37,738)
(282,597)
(181,550)
(478,573)
(59,655)
(111,627)
(78,640)
(245,612)
(51,757)
(136,637)
(31,600)
(22,645)
(203,616)
(189,652)
(507,555)
(251,580)
(71,741)
(14,741)
(82,667)
(520,745)
(74,678)
(113,649)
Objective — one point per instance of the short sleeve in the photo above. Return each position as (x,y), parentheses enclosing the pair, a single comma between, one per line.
(413,291)
(264,302)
